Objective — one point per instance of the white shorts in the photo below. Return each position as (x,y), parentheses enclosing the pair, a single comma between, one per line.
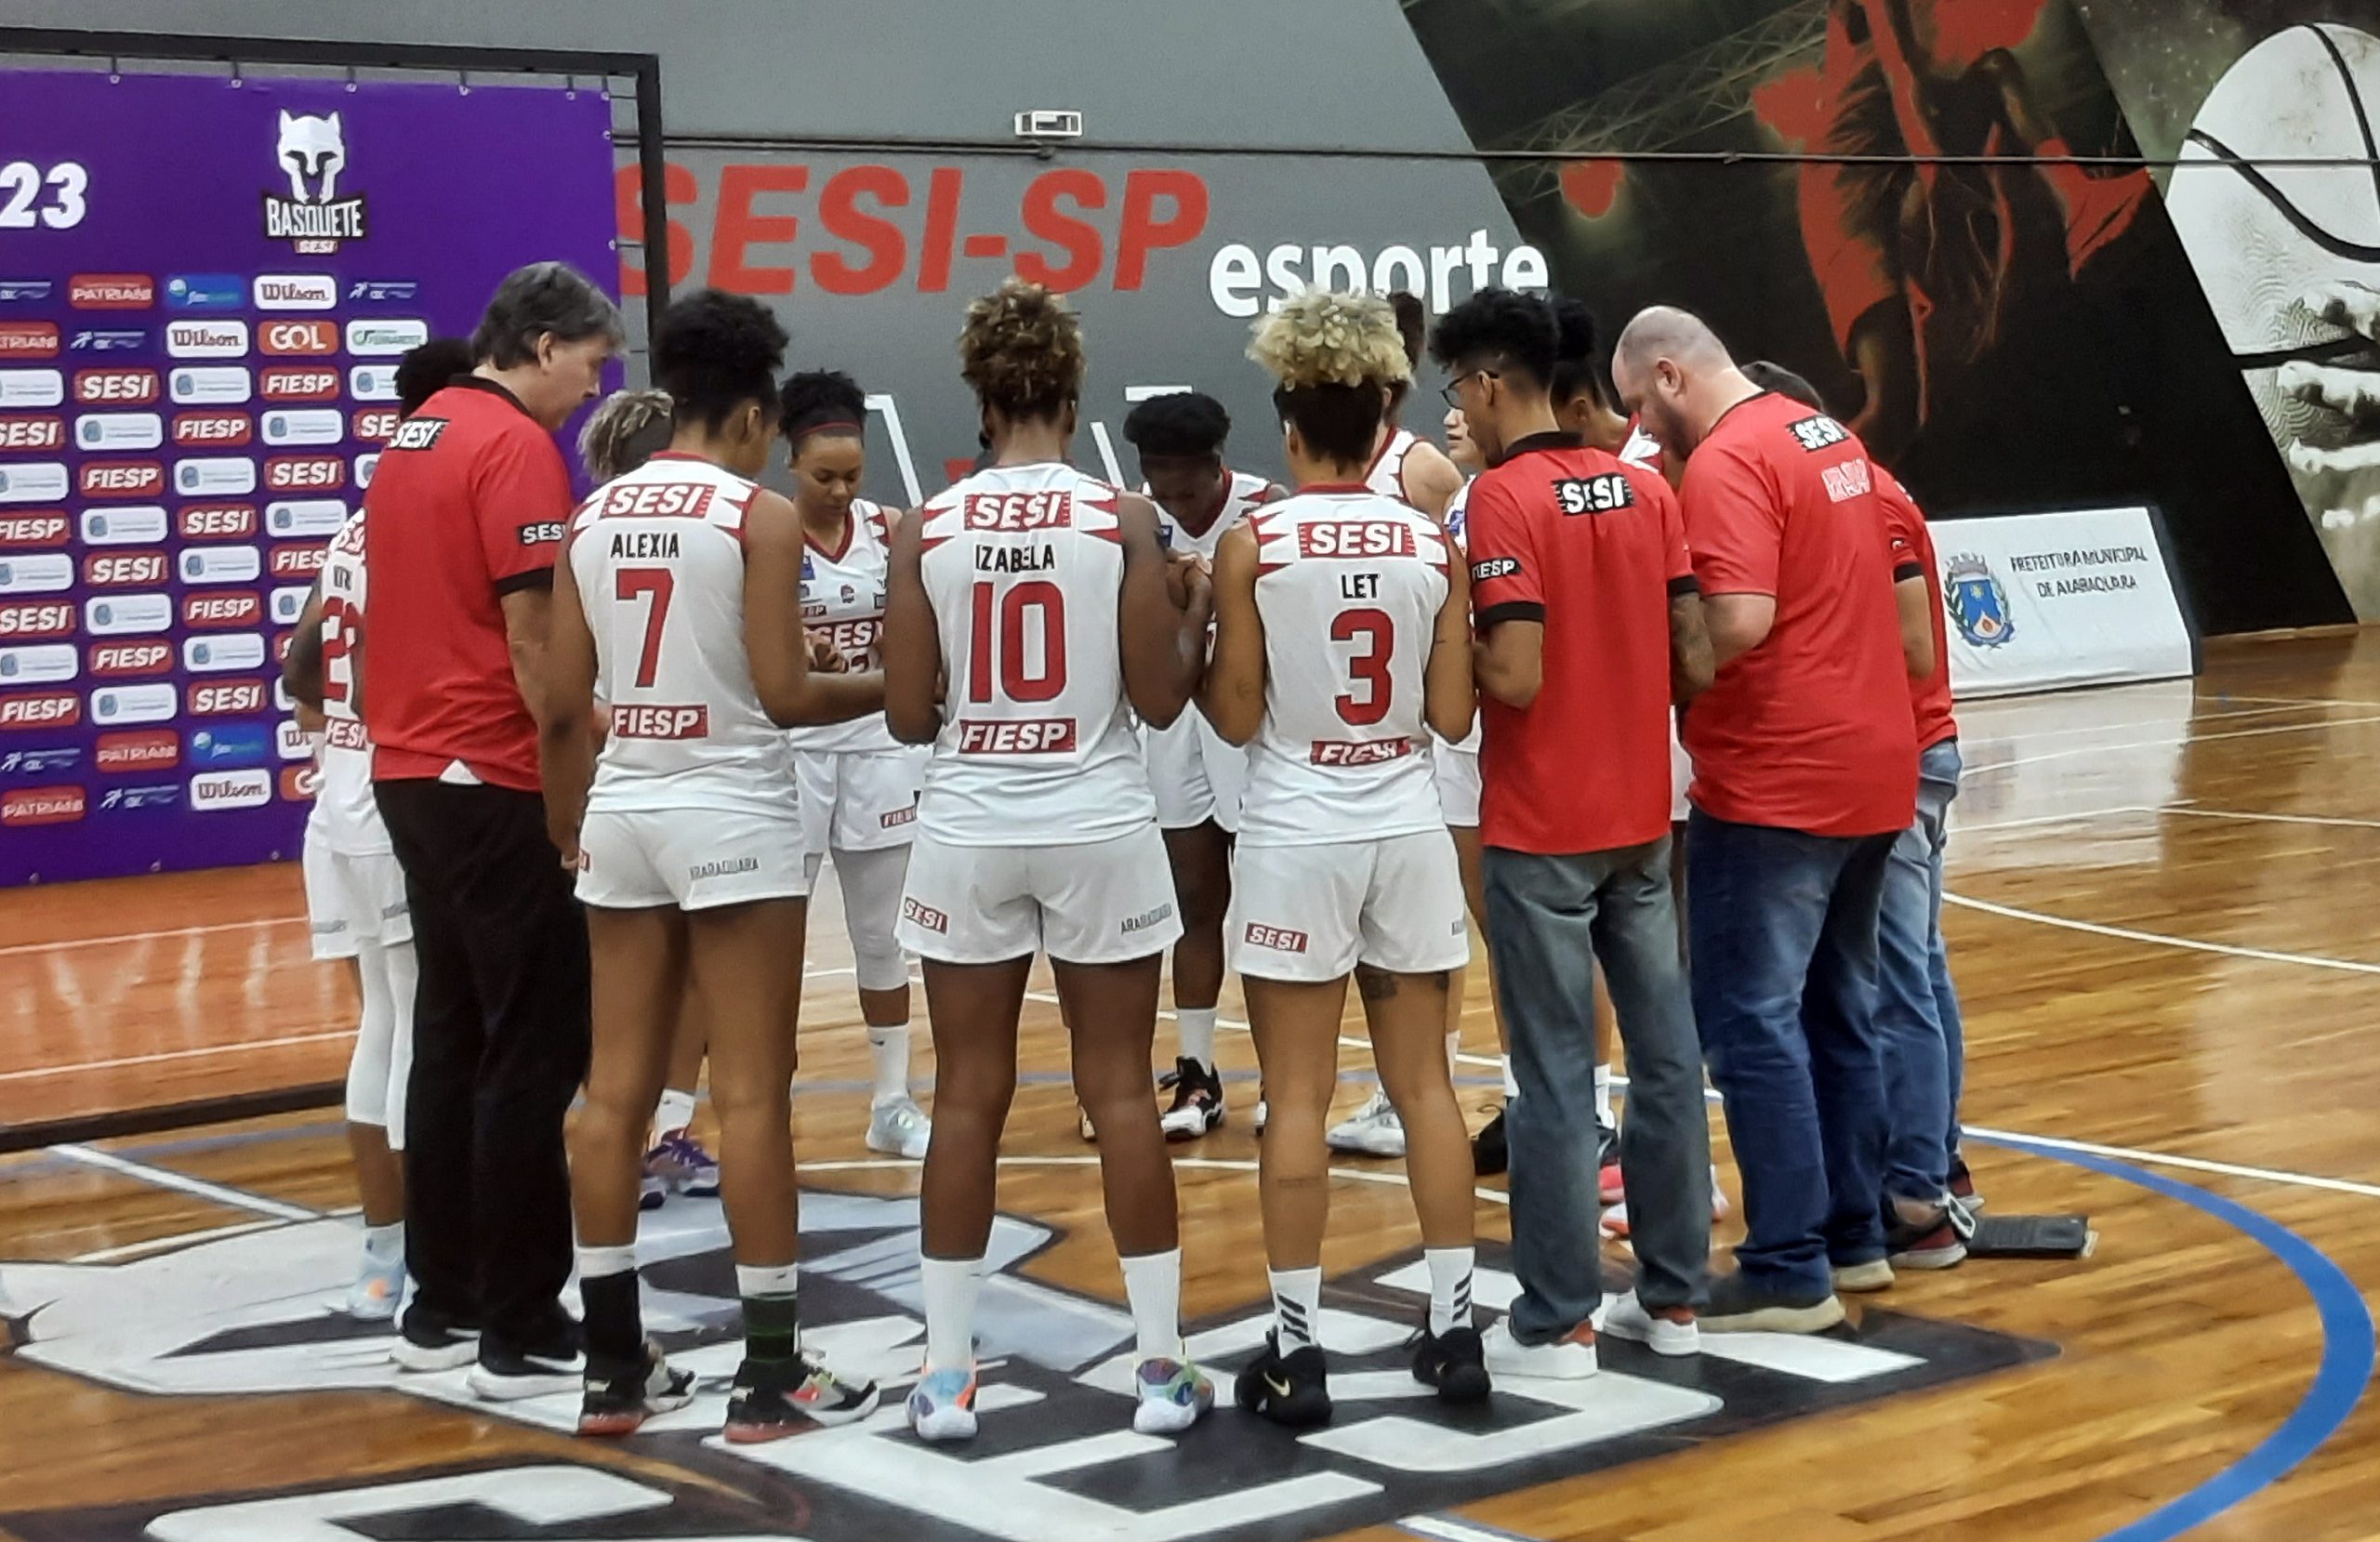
(352,900)
(1458,774)
(1195,775)
(1681,773)
(691,857)
(1105,902)
(1313,913)
(859,800)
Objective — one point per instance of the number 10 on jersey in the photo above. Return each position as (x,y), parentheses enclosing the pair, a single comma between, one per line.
(1019,638)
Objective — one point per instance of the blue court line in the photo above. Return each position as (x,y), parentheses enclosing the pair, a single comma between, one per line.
(2348,1349)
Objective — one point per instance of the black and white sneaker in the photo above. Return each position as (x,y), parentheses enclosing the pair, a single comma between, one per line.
(1455,1362)
(773,1398)
(619,1404)
(1291,1388)
(429,1340)
(1198,1100)
(508,1372)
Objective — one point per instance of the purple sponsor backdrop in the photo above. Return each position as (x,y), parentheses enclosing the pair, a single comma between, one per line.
(205,286)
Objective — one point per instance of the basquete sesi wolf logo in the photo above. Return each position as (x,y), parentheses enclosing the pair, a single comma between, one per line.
(313,219)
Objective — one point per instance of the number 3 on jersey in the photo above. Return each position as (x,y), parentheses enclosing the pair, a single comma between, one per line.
(1366,700)
(1032,612)
(654,586)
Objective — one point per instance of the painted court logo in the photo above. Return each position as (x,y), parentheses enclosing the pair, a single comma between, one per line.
(313,219)
(1056,1462)
(1978,606)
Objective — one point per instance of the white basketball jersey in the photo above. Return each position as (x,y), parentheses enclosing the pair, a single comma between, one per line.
(1349,585)
(1246,492)
(842,598)
(659,554)
(1025,567)
(345,819)
(1387,475)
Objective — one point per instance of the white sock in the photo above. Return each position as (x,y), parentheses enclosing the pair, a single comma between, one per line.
(1512,1082)
(1297,1307)
(1449,1287)
(675,1112)
(385,1245)
(1153,1289)
(779,1280)
(950,1287)
(596,1263)
(1603,1093)
(1454,1047)
(1198,1024)
(888,1050)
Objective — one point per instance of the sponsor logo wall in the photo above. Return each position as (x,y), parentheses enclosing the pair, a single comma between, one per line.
(195,376)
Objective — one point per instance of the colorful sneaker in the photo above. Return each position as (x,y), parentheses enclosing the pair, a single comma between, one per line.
(1614,1224)
(1931,1243)
(942,1405)
(681,1161)
(1671,1330)
(1455,1362)
(1490,1154)
(775,1398)
(1609,1186)
(1373,1131)
(619,1404)
(1292,1390)
(1197,1102)
(379,1287)
(900,1128)
(1173,1396)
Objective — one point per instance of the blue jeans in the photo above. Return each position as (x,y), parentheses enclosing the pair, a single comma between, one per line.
(1782,953)
(1917,1010)
(1548,917)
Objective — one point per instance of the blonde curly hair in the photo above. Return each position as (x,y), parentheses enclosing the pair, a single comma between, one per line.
(1320,337)
(1021,349)
(625,431)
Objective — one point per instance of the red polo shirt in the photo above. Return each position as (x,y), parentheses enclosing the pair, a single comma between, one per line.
(468,505)
(1811,730)
(1594,548)
(1929,699)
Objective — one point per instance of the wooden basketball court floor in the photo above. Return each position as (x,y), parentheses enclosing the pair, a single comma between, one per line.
(2164,933)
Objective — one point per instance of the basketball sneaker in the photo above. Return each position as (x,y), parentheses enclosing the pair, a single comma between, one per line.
(378,1289)
(1372,1130)
(773,1398)
(619,1404)
(1490,1154)
(682,1164)
(1197,1102)
(942,1405)
(1455,1362)
(429,1340)
(1292,1390)
(1173,1395)
(900,1127)
(508,1372)
(652,1191)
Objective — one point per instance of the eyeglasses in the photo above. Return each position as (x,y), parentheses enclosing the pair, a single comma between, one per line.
(1451,389)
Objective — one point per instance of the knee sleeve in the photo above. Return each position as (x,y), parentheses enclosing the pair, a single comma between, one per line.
(871,883)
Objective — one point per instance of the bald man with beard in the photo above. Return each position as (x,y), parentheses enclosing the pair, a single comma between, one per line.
(1805,769)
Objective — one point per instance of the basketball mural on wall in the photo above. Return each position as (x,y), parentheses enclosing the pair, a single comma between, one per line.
(2289,255)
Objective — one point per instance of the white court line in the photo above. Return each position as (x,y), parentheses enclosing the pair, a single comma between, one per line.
(2077,817)
(247,1045)
(166,1179)
(2311,960)
(64,944)
(2278,818)
(2192,1164)
(1448,1528)
(2299,701)
(181,1239)
(2189,740)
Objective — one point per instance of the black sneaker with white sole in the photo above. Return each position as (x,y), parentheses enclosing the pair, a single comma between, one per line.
(1292,1390)
(508,1372)
(1454,1362)
(618,1403)
(427,1340)
(1197,1102)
